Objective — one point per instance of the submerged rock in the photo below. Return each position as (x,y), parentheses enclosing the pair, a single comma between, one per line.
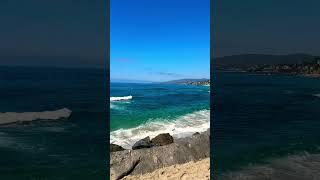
(162,139)
(143,143)
(114,148)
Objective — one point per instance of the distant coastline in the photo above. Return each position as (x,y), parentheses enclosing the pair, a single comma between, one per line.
(195,82)
(294,64)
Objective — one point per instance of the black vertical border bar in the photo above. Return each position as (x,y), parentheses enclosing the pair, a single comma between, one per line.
(212,81)
(107,85)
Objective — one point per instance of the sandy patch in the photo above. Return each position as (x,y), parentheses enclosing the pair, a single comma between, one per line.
(199,170)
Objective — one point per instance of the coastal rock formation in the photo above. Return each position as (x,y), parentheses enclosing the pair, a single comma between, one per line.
(162,139)
(141,161)
(143,143)
(114,148)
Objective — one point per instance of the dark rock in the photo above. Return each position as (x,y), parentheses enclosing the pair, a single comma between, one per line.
(182,150)
(196,134)
(162,139)
(114,148)
(143,143)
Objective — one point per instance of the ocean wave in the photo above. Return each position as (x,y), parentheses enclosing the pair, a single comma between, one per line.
(300,166)
(13,117)
(182,126)
(123,98)
(317,95)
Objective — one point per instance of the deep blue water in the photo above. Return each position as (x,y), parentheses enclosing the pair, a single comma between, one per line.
(63,149)
(260,117)
(157,108)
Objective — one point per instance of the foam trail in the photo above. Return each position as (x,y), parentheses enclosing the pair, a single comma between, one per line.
(182,126)
(317,95)
(301,166)
(124,98)
(14,117)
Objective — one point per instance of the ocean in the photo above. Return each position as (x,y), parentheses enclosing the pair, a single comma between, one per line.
(257,118)
(139,110)
(73,148)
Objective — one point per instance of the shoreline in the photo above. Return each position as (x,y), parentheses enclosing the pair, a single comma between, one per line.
(181,126)
(146,160)
(272,73)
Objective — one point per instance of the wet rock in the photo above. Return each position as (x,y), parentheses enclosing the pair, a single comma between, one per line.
(114,148)
(143,143)
(162,139)
(196,134)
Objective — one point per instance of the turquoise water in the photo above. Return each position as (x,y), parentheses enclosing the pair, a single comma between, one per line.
(258,118)
(157,108)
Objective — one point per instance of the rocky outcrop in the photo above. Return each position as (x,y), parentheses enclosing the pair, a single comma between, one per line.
(146,160)
(143,143)
(114,148)
(162,139)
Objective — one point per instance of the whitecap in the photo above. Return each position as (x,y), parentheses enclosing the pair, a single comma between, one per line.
(123,98)
(13,117)
(317,95)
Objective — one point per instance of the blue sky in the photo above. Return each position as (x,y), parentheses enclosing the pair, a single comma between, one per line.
(159,40)
(53,33)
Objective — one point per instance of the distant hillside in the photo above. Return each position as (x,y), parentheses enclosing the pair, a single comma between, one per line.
(259,59)
(298,64)
(199,82)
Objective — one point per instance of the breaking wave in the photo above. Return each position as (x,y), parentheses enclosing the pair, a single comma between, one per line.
(123,98)
(181,126)
(13,117)
(317,95)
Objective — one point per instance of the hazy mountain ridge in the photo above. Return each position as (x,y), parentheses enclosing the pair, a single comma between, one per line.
(295,64)
(198,82)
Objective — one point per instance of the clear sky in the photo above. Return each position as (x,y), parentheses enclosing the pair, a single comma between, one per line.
(159,40)
(53,33)
(266,27)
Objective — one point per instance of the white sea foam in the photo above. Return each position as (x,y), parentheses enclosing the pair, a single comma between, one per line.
(123,98)
(317,95)
(182,126)
(13,117)
(116,106)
